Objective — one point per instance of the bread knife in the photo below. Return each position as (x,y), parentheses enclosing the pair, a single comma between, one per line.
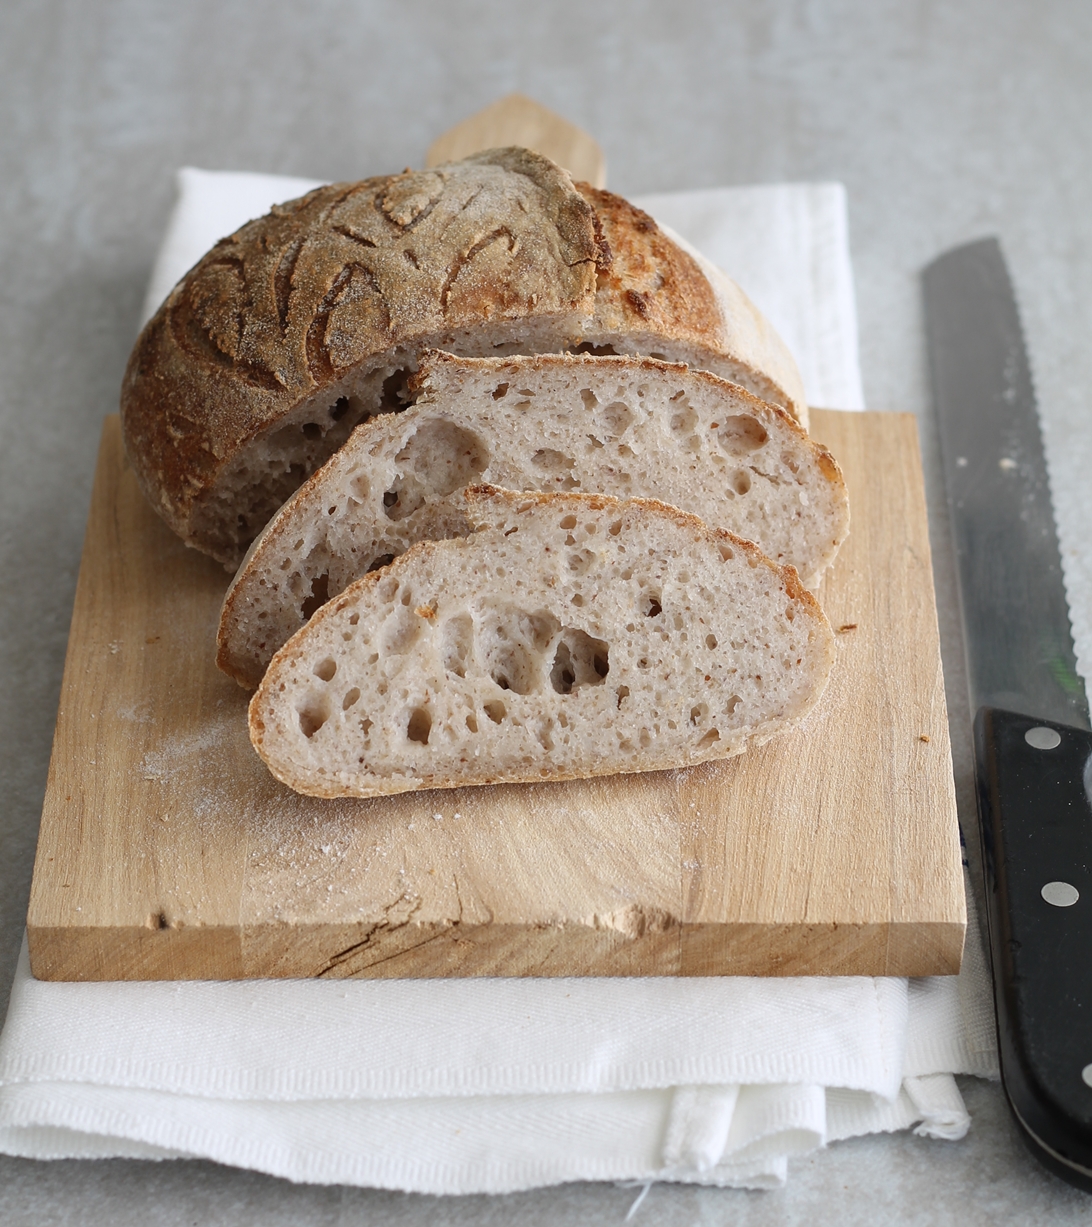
(1032,745)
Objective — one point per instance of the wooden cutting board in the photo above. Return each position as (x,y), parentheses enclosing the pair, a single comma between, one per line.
(167,851)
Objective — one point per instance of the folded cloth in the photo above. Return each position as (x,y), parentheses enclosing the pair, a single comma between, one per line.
(465,1086)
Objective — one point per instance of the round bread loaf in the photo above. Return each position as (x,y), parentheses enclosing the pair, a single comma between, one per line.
(291,331)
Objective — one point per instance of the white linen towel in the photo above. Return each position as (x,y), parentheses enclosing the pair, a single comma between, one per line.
(495,1085)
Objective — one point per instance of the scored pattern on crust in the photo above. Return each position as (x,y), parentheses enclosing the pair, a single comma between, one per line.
(293,301)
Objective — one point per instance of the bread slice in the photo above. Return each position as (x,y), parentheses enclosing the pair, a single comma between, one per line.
(619,426)
(570,635)
(291,331)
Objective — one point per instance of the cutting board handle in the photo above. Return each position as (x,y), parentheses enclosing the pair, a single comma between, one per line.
(519,120)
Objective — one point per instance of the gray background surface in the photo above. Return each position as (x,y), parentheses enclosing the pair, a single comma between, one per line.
(946,120)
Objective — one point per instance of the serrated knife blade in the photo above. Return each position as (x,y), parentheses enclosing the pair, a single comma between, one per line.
(1033,750)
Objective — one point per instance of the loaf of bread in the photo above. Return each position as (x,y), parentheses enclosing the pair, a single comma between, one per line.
(291,331)
(570,635)
(629,427)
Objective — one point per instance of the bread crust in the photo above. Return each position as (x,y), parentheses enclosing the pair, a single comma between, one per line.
(657,286)
(275,312)
(286,334)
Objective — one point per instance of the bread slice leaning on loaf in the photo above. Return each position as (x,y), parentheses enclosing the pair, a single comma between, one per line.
(295,328)
(570,635)
(629,427)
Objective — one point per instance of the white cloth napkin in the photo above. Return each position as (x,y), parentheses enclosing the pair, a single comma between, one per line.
(495,1085)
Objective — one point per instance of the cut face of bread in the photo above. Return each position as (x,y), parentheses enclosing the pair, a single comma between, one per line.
(620,426)
(294,329)
(569,636)
(662,299)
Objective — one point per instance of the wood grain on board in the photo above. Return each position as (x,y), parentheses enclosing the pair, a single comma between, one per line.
(519,120)
(167,851)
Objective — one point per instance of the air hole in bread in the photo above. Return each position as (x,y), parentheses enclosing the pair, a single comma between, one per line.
(419,726)
(568,522)
(401,631)
(395,395)
(683,419)
(623,693)
(556,466)
(511,643)
(319,595)
(580,561)
(342,405)
(710,642)
(741,481)
(457,644)
(384,560)
(577,600)
(790,462)
(359,486)
(442,457)
(495,710)
(726,552)
(589,398)
(403,499)
(617,416)
(313,715)
(311,430)
(615,528)
(500,391)
(472,723)
(699,714)
(354,618)
(579,660)
(325,669)
(710,738)
(742,434)
(732,704)
(351,697)
(602,351)
(652,606)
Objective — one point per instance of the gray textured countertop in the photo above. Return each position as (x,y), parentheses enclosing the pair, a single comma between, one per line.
(945,122)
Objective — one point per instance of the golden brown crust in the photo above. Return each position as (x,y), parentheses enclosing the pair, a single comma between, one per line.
(651,283)
(292,301)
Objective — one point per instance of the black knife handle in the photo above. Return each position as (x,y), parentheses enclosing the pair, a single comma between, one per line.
(1035,815)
